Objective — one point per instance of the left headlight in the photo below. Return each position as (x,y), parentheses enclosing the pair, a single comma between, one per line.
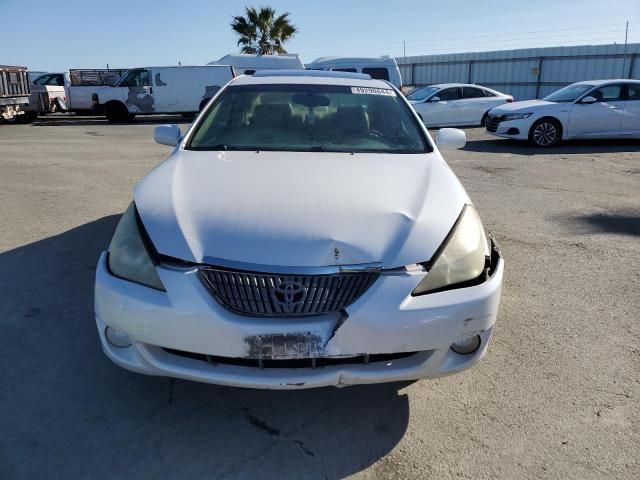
(129,255)
(515,116)
(461,258)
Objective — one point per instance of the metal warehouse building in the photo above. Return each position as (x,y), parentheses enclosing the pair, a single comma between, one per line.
(526,73)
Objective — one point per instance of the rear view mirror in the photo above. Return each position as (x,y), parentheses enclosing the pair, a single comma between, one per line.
(167,135)
(588,100)
(435,99)
(450,139)
(311,100)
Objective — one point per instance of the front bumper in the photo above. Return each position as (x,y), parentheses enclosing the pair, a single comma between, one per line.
(385,320)
(515,129)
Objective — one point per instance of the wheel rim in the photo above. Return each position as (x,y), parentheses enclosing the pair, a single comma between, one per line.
(545,134)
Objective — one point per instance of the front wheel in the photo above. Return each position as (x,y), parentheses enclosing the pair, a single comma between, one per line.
(545,133)
(483,120)
(116,112)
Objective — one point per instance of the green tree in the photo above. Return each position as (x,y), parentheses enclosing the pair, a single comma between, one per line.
(262,32)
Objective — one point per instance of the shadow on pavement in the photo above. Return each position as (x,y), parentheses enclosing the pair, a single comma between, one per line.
(624,222)
(72,120)
(68,412)
(568,148)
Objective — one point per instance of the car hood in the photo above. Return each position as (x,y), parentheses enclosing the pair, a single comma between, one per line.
(522,107)
(299,209)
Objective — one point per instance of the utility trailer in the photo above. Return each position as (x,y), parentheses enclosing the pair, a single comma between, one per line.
(48,95)
(14,92)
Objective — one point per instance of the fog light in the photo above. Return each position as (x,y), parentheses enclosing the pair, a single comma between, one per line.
(117,338)
(467,345)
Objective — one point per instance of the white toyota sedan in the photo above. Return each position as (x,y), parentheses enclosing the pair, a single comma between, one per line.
(304,232)
(455,104)
(591,109)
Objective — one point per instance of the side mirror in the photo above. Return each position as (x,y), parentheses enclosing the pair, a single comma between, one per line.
(450,139)
(167,135)
(588,100)
(434,99)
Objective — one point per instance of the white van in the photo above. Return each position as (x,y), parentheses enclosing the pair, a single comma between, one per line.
(380,68)
(84,82)
(152,90)
(246,64)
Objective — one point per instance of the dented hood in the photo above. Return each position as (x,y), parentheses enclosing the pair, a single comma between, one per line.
(299,209)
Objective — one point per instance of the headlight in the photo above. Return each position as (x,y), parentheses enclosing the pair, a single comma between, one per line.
(129,257)
(461,257)
(515,116)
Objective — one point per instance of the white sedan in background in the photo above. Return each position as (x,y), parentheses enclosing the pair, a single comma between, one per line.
(455,104)
(590,109)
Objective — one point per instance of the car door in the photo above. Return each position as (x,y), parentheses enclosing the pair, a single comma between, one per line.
(472,106)
(442,108)
(602,118)
(631,116)
(138,91)
(171,92)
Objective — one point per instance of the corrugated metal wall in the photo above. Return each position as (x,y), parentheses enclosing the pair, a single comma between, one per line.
(527,73)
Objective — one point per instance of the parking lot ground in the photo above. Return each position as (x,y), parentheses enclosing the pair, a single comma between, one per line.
(557,396)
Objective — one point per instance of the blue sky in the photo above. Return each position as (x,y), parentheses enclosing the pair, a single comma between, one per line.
(82,33)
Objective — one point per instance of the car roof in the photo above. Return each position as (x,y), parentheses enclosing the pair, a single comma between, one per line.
(310,77)
(603,82)
(449,85)
(336,60)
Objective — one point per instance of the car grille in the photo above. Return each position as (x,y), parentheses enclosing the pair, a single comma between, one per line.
(266,294)
(492,123)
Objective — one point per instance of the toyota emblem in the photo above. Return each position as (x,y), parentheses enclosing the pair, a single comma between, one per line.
(288,295)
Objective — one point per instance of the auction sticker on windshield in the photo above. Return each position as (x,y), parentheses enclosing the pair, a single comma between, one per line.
(372,91)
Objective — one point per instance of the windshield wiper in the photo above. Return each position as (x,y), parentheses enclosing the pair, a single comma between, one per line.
(221,146)
(227,148)
(318,148)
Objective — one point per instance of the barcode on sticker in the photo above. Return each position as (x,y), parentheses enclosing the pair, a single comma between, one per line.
(372,91)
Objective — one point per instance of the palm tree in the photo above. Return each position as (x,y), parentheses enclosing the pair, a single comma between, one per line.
(262,32)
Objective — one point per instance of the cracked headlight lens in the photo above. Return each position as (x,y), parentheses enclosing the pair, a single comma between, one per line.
(461,257)
(129,257)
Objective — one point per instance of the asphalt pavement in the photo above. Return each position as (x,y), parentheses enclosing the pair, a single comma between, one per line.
(557,396)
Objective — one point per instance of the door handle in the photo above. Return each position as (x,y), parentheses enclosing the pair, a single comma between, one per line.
(614,107)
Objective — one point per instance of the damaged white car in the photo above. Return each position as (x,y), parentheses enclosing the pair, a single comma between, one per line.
(304,232)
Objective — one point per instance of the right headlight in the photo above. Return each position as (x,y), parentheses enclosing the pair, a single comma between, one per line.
(129,255)
(515,116)
(462,256)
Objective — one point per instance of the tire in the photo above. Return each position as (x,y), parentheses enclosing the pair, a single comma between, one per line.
(28,117)
(116,112)
(545,133)
(131,117)
(483,121)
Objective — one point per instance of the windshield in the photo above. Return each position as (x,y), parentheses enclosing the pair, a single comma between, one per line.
(569,93)
(309,118)
(422,93)
(50,79)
